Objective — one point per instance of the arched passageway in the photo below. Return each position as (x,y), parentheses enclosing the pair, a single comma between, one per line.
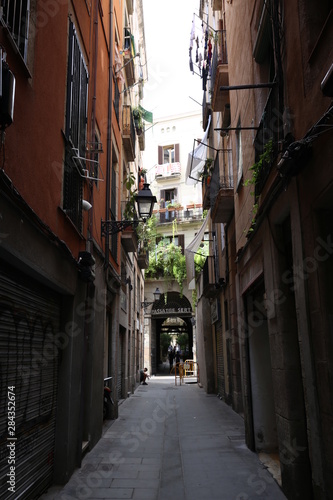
(172,316)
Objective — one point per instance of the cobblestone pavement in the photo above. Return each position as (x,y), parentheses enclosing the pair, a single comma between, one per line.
(171,443)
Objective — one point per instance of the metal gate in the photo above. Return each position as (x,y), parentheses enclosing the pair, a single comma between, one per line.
(29,335)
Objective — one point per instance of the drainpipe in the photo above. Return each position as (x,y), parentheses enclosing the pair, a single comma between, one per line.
(109,134)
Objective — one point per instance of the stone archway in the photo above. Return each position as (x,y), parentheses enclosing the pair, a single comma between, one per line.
(171,305)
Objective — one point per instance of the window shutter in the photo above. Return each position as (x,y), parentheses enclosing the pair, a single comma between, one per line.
(160,155)
(162,194)
(177,152)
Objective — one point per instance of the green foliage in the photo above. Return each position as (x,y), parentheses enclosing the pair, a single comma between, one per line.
(182,340)
(129,183)
(146,232)
(167,261)
(264,158)
(165,341)
(194,299)
(200,257)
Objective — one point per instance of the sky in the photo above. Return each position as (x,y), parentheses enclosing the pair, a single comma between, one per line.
(171,86)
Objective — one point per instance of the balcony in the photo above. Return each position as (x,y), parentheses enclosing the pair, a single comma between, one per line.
(129,54)
(222,188)
(168,170)
(143,257)
(220,73)
(188,214)
(129,236)
(128,133)
(210,287)
(129,240)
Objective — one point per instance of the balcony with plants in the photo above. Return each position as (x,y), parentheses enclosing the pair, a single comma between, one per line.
(129,237)
(169,212)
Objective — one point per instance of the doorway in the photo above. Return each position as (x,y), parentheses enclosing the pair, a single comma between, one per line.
(260,373)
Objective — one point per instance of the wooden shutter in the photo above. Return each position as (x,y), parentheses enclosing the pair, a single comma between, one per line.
(177,152)
(160,155)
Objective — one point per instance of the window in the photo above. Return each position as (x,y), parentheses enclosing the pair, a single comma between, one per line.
(75,129)
(239,154)
(168,195)
(77,94)
(16,17)
(168,154)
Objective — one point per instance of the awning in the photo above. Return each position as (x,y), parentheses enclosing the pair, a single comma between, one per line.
(146,115)
(191,250)
(196,159)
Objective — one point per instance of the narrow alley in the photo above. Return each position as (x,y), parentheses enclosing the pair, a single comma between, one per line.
(171,442)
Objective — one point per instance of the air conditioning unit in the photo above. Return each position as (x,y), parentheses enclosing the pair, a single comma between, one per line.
(7,95)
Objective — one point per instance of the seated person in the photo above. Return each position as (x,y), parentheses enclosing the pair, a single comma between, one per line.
(143,376)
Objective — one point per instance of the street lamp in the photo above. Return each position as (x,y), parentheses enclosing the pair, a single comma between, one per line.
(145,202)
(157,295)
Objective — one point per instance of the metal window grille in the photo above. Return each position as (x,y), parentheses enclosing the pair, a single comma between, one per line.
(77,94)
(73,190)
(15,15)
(76,124)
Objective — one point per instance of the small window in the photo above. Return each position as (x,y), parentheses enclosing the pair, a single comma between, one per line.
(168,154)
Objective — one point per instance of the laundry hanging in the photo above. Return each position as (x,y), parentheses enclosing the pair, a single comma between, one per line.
(196,159)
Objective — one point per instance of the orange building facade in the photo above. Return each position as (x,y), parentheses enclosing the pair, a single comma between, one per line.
(70,290)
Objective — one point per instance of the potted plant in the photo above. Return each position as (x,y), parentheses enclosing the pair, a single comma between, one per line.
(138,120)
(207,171)
(130,211)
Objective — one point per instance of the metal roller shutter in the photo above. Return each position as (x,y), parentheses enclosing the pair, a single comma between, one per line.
(29,334)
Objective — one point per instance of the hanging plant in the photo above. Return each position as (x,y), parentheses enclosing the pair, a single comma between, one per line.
(264,159)
(168,262)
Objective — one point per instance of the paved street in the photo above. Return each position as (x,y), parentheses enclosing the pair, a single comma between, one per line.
(171,442)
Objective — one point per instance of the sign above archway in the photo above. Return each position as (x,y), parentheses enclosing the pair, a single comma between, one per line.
(174,305)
